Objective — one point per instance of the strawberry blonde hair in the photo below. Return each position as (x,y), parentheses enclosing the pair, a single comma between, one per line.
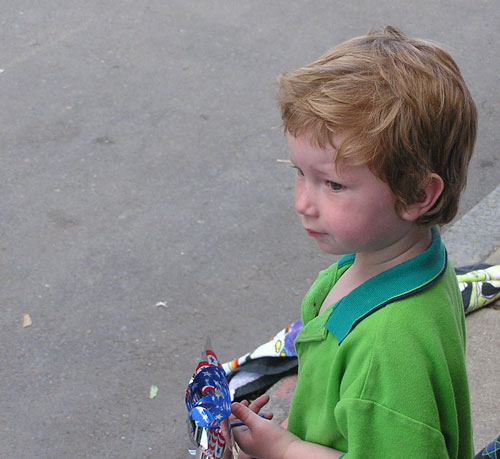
(402,106)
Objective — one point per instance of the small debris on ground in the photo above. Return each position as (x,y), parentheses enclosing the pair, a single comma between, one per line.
(153,391)
(27,322)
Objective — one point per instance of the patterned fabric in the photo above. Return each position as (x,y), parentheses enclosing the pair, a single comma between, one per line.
(491,451)
(260,369)
(480,287)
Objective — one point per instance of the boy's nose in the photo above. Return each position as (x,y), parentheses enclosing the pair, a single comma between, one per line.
(304,202)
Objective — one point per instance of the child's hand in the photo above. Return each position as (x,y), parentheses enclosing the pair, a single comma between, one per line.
(228,437)
(259,437)
(255,406)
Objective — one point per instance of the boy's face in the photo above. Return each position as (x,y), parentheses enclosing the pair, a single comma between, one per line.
(347,209)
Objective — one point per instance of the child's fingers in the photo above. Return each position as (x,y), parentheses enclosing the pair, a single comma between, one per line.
(259,403)
(232,417)
(226,433)
(255,406)
(238,410)
(245,414)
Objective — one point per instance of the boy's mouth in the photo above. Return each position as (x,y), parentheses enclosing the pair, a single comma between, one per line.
(312,233)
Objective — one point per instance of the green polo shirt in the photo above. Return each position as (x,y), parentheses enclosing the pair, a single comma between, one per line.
(382,372)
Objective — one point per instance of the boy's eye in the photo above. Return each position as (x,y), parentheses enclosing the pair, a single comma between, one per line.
(334,186)
(299,171)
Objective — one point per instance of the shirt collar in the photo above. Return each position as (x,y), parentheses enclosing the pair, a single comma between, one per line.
(403,280)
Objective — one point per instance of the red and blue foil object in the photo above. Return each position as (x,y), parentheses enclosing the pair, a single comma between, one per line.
(208,402)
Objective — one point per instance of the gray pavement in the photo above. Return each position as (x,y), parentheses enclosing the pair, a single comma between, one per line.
(483,366)
(139,148)
(475,238)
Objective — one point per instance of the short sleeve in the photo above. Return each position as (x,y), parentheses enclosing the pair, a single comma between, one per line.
(375,431)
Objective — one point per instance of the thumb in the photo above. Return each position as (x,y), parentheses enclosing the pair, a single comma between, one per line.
(244,414)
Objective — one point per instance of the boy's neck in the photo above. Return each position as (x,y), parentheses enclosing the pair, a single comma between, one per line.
(411,244)
(368,264)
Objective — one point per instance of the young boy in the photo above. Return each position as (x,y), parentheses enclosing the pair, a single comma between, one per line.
(381,130)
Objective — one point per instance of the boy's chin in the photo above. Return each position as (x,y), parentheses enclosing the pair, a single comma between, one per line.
(337,251)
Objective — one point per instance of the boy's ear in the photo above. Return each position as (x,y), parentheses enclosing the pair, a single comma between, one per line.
(427,196)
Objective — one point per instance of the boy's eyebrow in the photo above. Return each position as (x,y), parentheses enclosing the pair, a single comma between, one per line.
(334,168)
(334,174)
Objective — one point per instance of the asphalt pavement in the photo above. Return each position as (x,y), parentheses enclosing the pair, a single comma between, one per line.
(144,207)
